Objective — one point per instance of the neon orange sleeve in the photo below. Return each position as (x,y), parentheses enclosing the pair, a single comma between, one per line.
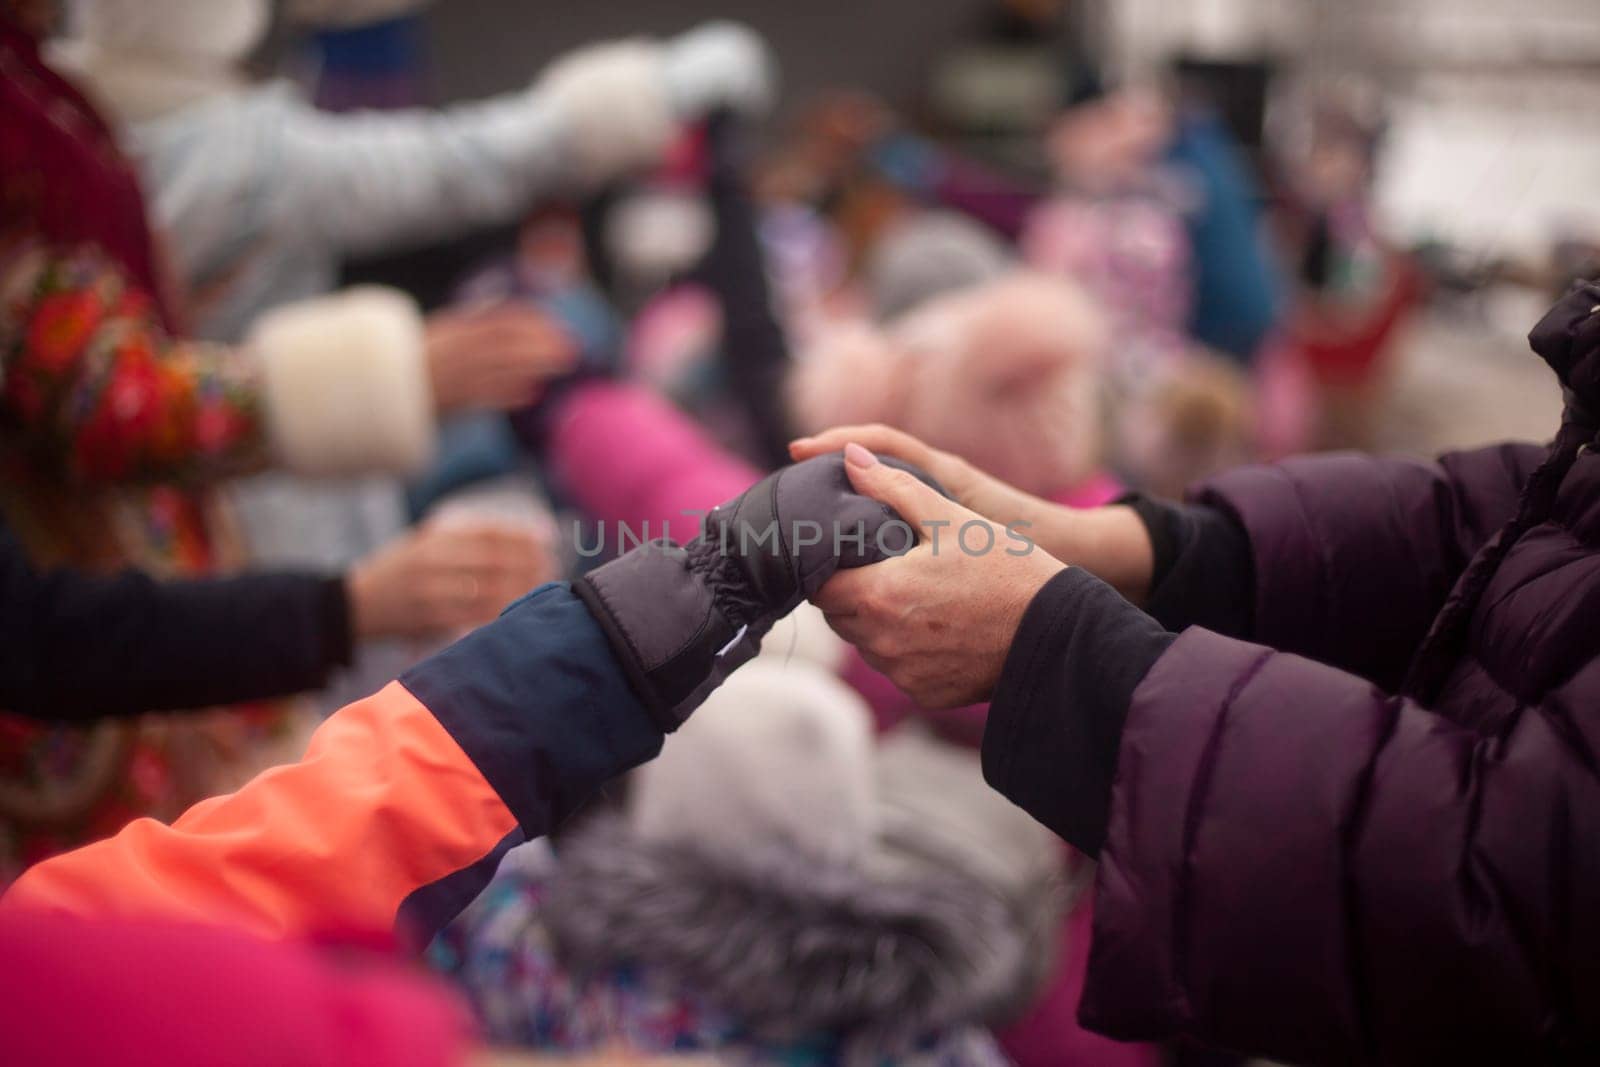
(384,803)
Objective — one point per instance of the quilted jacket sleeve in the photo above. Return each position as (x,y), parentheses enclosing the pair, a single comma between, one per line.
(1354,555)
(1302,866)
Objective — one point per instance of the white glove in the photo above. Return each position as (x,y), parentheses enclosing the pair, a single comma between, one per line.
(621,101)
(720,64)
(612,101)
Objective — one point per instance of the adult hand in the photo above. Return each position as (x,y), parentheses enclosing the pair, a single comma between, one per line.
(496,357)
(680,618)
(980,492)
(443,577)
(939,620)
(1109,542)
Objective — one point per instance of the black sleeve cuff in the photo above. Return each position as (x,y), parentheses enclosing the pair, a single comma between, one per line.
(1202,573)
(1163,524)
(1055,722)
(338,642)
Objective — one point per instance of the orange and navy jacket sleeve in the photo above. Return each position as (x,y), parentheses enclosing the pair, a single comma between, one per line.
(404,803)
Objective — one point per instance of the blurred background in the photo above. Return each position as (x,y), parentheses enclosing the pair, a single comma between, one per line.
(1092,246)
(1462,129)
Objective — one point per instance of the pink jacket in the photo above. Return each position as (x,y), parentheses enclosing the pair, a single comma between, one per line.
(81,990)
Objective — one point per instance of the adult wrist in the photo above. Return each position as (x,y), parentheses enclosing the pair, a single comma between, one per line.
(681,618)
(357,585)
(1109,542)
(1054,729)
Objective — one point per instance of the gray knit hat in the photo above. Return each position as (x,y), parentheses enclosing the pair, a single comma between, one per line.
(931,254)
(780,865)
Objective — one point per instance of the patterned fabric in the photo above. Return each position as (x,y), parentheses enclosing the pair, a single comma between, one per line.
(92,386)
(504,958)
(98,405)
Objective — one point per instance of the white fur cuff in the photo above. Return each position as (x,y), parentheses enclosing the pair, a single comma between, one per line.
(346,383)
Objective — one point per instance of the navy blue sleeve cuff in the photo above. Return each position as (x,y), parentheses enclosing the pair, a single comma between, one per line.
(1055,723)
(540,705)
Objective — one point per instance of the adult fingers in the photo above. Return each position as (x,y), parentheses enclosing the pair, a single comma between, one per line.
(915,501)
(875,436)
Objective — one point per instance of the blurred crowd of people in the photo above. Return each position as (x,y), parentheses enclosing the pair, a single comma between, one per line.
(301,381)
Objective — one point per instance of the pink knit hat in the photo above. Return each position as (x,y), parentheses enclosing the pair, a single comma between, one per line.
(1005,374)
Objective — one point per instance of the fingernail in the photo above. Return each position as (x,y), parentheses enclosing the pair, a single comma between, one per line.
(857,456)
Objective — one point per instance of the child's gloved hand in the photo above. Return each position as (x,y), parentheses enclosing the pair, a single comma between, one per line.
(681,618)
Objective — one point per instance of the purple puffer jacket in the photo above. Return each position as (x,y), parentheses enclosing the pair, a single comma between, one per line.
(1374,835)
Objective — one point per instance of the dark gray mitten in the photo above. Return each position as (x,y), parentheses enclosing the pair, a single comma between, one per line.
(681,618)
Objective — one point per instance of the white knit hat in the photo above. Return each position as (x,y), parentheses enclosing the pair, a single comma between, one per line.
(781,756)
(881,883)
(205,31)
(654,234)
